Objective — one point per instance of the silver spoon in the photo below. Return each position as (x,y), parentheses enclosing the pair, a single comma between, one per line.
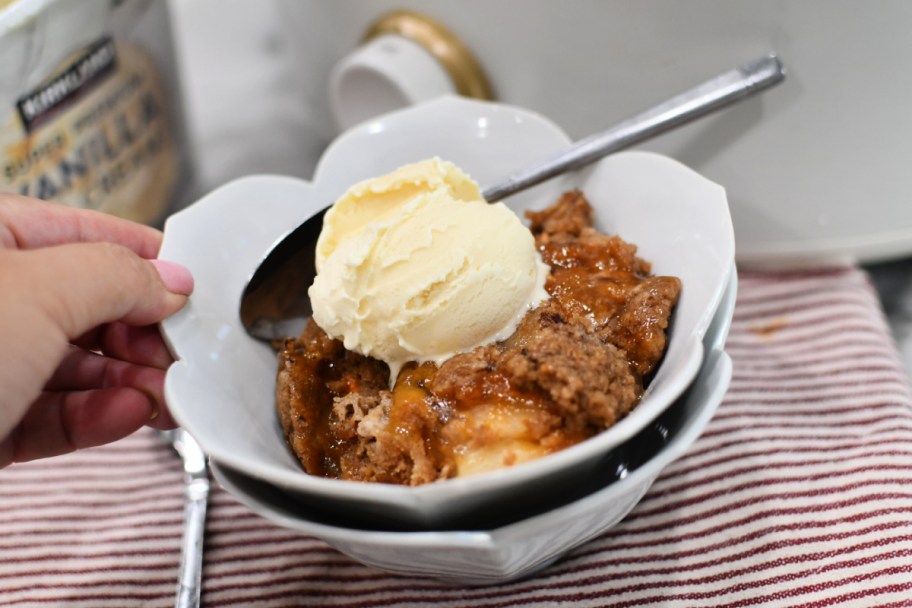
(275,305)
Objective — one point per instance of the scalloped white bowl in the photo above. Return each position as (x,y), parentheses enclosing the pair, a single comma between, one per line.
(221,388)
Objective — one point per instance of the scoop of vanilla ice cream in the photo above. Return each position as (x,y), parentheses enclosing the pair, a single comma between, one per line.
(417,266)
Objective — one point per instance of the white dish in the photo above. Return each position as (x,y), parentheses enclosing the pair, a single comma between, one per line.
(510,551)
(222,387)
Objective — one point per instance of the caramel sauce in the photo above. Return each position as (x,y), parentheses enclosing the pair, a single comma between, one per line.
(591,280)
(453,426)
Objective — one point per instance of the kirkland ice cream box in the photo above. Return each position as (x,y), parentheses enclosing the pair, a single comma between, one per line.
(90,114)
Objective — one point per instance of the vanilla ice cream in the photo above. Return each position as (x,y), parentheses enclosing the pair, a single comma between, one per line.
(417,266)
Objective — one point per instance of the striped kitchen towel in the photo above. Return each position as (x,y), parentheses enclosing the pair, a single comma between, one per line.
(799,493)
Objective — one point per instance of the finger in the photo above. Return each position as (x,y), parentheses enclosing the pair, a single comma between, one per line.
(81,286)
(81,370)
(162,420)
(27,223)
(141,345)
(58,423)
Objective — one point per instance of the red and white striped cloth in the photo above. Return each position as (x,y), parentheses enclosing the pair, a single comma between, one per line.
(798,493)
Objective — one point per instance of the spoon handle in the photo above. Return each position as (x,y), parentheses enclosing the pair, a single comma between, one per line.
(703,99)
(196,496)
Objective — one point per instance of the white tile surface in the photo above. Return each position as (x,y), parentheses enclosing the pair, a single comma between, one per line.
(245,110)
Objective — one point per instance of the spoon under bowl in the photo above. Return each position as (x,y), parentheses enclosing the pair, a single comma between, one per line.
(275,304)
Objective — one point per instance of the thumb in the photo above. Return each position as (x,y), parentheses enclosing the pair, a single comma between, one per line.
(83,285)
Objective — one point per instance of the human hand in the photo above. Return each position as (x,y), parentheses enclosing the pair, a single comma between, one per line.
(81,360)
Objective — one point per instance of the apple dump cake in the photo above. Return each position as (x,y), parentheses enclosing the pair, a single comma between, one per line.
(573,364)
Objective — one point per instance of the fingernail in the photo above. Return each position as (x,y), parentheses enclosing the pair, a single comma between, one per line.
(176,278)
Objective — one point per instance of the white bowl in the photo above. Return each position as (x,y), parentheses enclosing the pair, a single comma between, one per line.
(222,387)
(503,553)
